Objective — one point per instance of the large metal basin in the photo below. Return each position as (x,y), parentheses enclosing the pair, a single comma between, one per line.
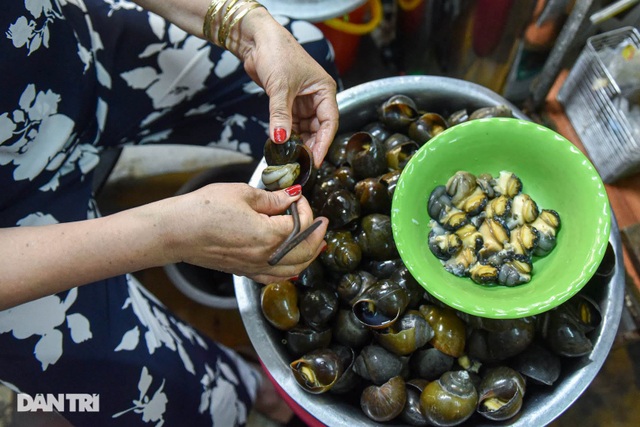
(357,107)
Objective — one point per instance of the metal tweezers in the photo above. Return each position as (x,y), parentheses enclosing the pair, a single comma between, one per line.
(295,237)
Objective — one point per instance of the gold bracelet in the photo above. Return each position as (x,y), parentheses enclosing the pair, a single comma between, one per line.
(223,30)
(248,6)
(212,11)
(252,5)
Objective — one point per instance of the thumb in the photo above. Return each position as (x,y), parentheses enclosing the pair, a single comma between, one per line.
(280,116)
(276,202)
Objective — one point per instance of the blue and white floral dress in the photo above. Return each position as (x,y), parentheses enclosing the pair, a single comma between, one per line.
(77,76)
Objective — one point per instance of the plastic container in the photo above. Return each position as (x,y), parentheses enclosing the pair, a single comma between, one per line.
(591,98)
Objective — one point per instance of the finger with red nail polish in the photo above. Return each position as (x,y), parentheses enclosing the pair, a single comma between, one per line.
(294,190)
(279,135)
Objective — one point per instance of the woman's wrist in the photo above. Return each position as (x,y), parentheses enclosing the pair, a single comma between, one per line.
(232,24)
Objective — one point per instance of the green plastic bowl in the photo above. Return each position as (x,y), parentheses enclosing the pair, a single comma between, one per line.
(554,172)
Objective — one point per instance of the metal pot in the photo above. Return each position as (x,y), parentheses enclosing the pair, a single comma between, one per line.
(357,107)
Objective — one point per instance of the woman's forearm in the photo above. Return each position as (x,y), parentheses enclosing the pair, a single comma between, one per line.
(186,14)
(190,16)
(41,260)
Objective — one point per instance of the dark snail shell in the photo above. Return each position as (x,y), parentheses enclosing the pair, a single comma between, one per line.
(352,285)
(449,330)
(406,335)
(426,127)
(382,304)
(326,170)
(341,208)
(303,339)
(281,154)
(385,402)
(378,130)
(279,303)
(399,156)
(396,139)
(318,306)
(373,196)
(349,331)
(375,237)
(412,412)
(383,269)
(414,290)
(337,153)
(342,254)
(349,379)
(498,340)
(397,112)
(450,400)
(457,117)
(289,152)
(316,372)
(345,175)
(366,155)
(538,365)
(378,365)
(325,188)
(496,111)
(566,328)
(312,275)
(500,394)
(390,180)
(430,363)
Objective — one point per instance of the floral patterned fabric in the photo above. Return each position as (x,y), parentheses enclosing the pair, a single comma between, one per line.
(79,76)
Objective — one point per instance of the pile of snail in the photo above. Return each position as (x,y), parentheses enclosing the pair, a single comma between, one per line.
(488,229)
(356,324)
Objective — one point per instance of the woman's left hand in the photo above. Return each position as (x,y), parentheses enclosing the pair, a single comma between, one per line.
(302,95)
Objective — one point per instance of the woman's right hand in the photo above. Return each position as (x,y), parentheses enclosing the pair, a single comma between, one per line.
(236,228)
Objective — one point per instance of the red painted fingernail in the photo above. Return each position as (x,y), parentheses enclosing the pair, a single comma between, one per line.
(279,135)
(294,278)
(324,247)
(294,190)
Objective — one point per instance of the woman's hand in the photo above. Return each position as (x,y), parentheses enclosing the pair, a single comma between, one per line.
(236,228)
(302,95)
(229,227)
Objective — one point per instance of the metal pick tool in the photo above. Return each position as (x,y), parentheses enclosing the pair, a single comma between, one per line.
(295,237)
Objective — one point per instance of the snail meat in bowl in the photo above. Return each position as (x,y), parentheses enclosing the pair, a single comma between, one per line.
(556,174)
